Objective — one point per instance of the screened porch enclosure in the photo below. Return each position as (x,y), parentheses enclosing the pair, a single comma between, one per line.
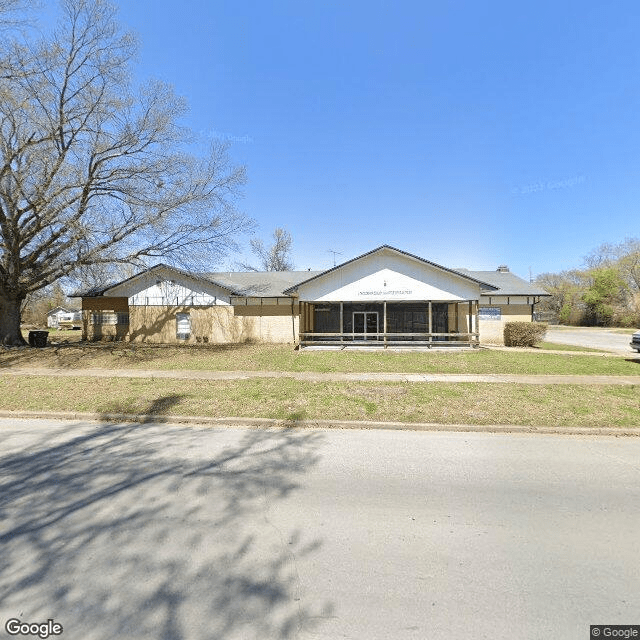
(427,323)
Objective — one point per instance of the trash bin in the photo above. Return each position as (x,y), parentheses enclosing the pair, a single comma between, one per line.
(38,338)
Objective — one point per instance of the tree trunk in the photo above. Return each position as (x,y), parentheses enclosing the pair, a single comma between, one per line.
(10,334)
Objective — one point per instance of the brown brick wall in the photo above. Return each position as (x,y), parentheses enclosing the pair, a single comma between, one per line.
(265,310)
(103,332)
(105,304)
(212,324)
(492,331)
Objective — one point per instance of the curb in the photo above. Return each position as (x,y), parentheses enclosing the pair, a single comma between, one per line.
(265,423)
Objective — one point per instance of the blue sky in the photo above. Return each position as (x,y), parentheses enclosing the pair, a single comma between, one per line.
(469,133)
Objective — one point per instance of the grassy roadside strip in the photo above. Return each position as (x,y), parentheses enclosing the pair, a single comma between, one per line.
(556,346)
(284,358)
(287,399)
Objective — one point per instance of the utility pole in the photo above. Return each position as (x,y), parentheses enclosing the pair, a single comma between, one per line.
(335,253)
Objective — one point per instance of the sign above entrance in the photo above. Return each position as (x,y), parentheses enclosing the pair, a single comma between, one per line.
(384,292)
(388,278)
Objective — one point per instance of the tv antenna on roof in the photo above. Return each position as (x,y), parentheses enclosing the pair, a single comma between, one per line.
(335,253)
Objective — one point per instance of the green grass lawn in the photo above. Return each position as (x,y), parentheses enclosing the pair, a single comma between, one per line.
(288,399)
(284,358)
(555,346)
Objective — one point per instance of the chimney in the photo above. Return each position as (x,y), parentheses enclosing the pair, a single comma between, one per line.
(503,268)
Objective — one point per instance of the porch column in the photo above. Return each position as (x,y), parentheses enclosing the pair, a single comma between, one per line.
(305,318)
(384,322)
(430,325)
(477,305)
(300,321)
(470,321)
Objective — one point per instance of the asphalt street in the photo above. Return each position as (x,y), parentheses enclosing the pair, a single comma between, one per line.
(159,531)
(593,338)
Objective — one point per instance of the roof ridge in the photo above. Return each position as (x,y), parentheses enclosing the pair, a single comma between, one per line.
(400,251)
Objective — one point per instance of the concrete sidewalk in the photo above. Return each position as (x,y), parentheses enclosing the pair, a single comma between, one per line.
(310,376)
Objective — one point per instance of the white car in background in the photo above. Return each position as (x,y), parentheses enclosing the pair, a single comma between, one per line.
(635,341)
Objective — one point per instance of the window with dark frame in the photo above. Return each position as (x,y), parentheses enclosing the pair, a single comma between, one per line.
(183,326)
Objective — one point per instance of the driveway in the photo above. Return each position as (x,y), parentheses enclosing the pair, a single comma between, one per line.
(592,338)
(155,530)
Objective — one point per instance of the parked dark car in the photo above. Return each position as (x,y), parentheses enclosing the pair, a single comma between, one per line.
(635,341)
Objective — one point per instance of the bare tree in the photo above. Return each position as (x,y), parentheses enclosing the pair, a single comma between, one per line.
(276,257)
(606,291)
(92,169)
(14,12)
(39,303)
(565,289)
(603,255)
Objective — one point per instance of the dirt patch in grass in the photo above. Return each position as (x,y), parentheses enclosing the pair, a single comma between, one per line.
(287,399)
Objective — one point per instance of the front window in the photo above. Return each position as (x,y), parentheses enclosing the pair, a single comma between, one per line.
(109,317)
(183,326)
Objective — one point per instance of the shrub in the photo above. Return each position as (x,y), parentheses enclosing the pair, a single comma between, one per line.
(628,320)
(565,314)
(524,334)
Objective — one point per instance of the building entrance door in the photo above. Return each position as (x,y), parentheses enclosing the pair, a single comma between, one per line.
(365,322)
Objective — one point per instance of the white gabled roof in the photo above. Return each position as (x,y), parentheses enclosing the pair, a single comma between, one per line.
(288,283)
(399,252)
(59,309)
(111,290)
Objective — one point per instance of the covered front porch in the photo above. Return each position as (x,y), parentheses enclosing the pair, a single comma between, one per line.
(428,323)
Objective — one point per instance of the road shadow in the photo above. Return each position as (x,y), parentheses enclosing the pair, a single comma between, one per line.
(154,531)
(158,410)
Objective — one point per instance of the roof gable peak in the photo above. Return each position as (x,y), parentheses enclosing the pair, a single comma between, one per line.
(399,252)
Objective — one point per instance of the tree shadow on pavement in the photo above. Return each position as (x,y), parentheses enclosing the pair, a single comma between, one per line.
(156,531)
(157,411)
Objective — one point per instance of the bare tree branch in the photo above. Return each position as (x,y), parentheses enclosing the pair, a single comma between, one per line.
(276,257)
(94,171)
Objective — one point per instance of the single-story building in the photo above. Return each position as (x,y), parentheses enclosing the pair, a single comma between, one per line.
(384,297)
(63,317)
